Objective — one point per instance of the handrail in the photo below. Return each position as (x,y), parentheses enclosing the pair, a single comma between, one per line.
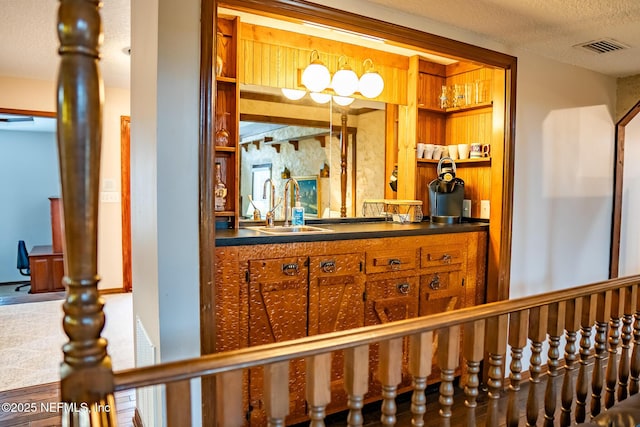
(317,344)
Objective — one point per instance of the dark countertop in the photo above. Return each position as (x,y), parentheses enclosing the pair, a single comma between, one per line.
(344,231)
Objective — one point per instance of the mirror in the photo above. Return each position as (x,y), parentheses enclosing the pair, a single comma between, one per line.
(281,139)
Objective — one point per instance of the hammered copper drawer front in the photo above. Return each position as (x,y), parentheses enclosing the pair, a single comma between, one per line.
(449,256)
(390,260)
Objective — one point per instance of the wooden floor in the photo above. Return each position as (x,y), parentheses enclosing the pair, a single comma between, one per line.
(36,406)
(9,296)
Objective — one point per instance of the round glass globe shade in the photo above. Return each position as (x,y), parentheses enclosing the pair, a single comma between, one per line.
(316,77)
(345,82)
(371,84)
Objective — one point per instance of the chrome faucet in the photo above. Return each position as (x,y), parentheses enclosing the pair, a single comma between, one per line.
(272,202)
(296,193)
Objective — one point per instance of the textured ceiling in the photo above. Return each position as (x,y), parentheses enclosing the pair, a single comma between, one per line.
(547,27)
(550,28)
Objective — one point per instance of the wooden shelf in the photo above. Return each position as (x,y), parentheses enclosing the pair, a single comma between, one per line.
(456,109)
(481,161)
(225,149)
(225,213)
(222,79)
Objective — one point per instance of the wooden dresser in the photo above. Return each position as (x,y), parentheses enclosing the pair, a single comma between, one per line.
(47,269)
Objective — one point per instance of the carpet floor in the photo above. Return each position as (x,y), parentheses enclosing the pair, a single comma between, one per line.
(31,339)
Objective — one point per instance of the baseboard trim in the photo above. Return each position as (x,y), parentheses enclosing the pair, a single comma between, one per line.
(137,419)
(110,291)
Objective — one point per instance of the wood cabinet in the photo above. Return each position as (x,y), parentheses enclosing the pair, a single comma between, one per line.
(227,117)
(275,292)
(47,269)
(336,303)
(277,312)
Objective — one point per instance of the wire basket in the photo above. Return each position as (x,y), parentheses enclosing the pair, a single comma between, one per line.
(400,211)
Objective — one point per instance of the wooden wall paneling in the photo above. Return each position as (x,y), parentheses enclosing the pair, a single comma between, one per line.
(271,50)
(431,127)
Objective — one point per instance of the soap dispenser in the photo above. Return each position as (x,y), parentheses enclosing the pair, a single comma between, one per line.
(297,215)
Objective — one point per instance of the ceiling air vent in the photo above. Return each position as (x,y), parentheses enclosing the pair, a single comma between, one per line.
(603,46)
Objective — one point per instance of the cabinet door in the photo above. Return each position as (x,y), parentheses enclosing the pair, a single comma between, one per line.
(389,300)
(441,291)
(277,312)
(57,269)
(336,289)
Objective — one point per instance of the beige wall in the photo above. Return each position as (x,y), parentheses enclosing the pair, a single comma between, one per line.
(27,94)
(627,95)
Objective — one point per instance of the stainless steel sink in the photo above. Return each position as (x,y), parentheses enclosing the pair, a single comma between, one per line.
(282,230)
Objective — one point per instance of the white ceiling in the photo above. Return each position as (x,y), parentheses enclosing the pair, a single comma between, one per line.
(548,27)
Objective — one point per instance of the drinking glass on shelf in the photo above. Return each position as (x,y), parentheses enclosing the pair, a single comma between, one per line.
(222,134)
(444,99)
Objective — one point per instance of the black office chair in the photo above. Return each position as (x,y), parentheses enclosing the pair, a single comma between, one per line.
(23,263)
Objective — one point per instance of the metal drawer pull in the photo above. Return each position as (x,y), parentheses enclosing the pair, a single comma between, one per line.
(394,263)
(435,282)
(403,288)
(446,258)
(328,266)
(290,269)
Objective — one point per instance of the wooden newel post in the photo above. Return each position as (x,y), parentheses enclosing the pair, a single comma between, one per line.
(85,373)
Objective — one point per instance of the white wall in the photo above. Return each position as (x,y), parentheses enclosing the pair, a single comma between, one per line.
(165,65)
(563,176)
(630,230)
(37,95)
(29,175)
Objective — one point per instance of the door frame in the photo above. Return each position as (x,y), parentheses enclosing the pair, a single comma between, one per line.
(618,182)
(125,200)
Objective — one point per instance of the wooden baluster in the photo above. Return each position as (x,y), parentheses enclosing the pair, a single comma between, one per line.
(555,329)
(229,411)
(85,373)
(496,347)
(572,324)
(473,352)
(603,312)
(518,326)
(276,393)
(420,361)
(538,317)
(356,382)
(390,375)
(179,403)
(630,297)
(617,307)
(587,319)
(634,369)
(318,387)
(448,360)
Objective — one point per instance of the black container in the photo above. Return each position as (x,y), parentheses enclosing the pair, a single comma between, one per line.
(446,194)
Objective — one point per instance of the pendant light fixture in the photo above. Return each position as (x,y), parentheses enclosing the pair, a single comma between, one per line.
(293,94)
(320,98)
(345,80)
(316,76)
(371,83)
(343,101)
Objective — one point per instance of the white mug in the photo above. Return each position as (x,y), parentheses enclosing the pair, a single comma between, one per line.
(438,151)
(428,151)
(453,151)
(420,150)
(463,151)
